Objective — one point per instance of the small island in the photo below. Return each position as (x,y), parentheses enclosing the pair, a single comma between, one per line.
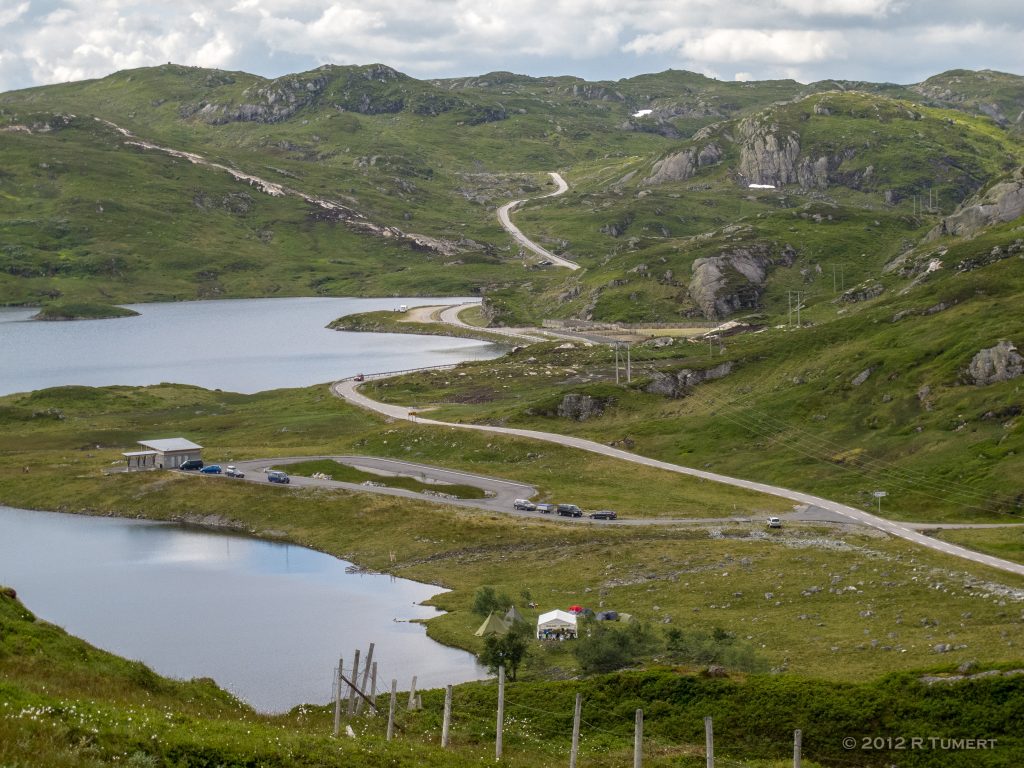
(82,310)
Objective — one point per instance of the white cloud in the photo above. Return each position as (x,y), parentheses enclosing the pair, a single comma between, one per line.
(896,40)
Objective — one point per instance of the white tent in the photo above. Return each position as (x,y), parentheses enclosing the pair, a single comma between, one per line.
(556,625)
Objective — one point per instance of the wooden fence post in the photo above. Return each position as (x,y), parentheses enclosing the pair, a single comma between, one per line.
(391,708)
(373,688)
(709,742)
(337,699)
(447,723)
(638,740)
(412,695)
(798,743)
(366,678)
(577,712)
(354,681)
(501,712)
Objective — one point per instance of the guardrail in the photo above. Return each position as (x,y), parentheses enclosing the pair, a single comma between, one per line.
(595,325)
(386,374)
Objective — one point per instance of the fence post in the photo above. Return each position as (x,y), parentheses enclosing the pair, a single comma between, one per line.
(501,711)
(638,740)
(412,695)
(447,724)
(337,699)
(354,681)
(798,743)
(709,742)
(373,688)
(366,678)
(391,708)
(577,712)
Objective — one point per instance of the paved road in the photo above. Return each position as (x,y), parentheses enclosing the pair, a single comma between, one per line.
(512,229)
(450,316)
(504,491)
(347,389)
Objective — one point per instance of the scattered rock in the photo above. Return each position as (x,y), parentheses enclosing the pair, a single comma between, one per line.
(995,364)
(579,407)
(861,377)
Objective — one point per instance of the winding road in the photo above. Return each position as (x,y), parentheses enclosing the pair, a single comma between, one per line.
(512,229)
(347,389)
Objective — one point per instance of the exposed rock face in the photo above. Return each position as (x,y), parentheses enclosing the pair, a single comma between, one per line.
(770,156)
(734,280)
(580,407)
(995,364)
(1003,202)
(863,293)
(678,384)
(682,165)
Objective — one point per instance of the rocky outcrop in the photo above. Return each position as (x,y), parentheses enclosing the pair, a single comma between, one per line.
(769,155)
(580,407)
(680,166)
(863,293)
(734,280)
(1001,203)
(995,364)
(679,383)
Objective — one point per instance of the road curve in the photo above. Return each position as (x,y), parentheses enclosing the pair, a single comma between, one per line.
(512,229)
(450,316)
(348,390)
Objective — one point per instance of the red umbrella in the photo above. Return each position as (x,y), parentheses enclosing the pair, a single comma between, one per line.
(575,608)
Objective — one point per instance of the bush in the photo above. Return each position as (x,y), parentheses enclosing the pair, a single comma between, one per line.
(487,599)
(602,647)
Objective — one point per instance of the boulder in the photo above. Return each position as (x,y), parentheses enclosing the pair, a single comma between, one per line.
(580,407)
(734,280)
(678,383)
(1001,203)
(680,166)
(995,364)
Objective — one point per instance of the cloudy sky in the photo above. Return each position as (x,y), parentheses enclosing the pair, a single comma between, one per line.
(904,41)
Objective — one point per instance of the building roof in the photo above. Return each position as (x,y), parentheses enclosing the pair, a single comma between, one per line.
(170,444)
(140,453)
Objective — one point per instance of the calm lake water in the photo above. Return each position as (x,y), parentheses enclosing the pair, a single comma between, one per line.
(240,345)
(267,621)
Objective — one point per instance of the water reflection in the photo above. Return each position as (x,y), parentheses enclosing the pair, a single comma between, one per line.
(266,620)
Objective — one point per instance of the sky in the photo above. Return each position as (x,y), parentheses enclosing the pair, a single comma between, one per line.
(901,41)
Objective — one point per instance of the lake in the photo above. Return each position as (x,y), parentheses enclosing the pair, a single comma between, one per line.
(266,620)
(238,345)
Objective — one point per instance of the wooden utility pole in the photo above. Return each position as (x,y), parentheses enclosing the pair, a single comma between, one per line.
(412,695)
(355,680)
(638,740)
(798,742)
(337,698)
(629,366)
(391,708)
(576,731)
(501,711)
(447,723)
(366,678)
(709,742)
(373,689)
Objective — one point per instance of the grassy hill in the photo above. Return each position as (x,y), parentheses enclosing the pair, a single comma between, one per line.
(89,214)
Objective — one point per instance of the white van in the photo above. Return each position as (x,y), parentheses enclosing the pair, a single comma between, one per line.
(403,307)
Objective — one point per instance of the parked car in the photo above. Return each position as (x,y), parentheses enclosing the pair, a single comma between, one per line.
(232,471)
(277,476)
(604,514)
(524,504)
(569,510)
(211,469)
(191,464)
(359,377)
(774,522)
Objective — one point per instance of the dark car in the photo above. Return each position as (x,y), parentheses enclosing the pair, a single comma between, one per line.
(569,510)
(276,476)
(604,514)
(359,377)
(191,464)
(524,504)
(212,469)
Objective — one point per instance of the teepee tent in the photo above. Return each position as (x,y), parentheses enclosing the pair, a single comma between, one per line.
(493,625)
(513,617)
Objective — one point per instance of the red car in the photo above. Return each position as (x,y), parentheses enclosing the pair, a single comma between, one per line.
(360,377)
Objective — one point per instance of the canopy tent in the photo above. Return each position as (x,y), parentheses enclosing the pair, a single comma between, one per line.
(493,625)
(556,625)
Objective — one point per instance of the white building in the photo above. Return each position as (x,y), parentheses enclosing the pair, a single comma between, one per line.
(163,454)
